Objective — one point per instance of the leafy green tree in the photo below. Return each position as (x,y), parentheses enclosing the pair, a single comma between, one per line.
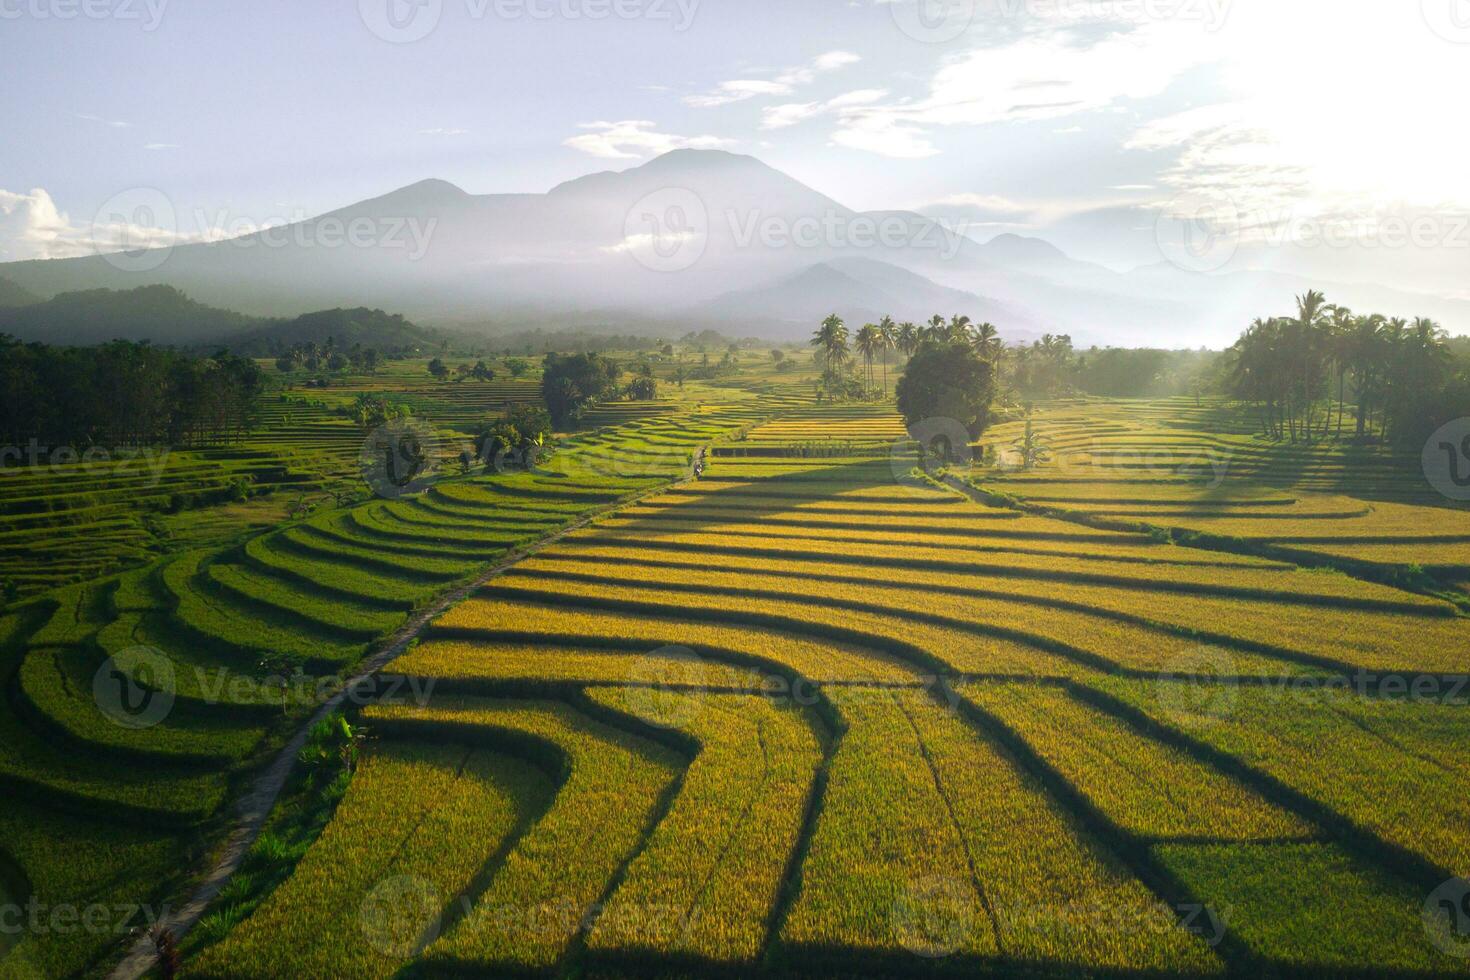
(517,367)
(947,379)
(572,383)
(438,369)
(518,439)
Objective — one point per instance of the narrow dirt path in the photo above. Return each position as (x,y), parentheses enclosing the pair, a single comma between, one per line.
(255,805)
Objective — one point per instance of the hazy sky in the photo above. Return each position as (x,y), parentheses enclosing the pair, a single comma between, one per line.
(1071,119)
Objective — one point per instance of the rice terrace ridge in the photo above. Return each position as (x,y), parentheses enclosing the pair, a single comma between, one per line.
(889,489)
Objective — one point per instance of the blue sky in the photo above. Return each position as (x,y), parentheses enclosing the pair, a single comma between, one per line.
(1078,120)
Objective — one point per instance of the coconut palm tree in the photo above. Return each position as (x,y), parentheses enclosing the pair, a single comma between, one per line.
(935,329)
(888,334)
(1339,342)
(869,342)
(958,328)
(986,341)
(831,340)
(908,338)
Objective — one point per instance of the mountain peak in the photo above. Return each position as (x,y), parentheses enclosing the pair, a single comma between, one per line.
(426,193)
(1021,247)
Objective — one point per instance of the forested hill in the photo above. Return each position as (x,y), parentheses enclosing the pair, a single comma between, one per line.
(13,295)
(345,328)
(168,318)
(160,314)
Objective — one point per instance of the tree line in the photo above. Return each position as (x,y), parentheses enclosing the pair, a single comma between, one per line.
(1325,371)
(123,393)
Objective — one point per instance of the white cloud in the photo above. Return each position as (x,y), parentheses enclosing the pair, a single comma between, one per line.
(633,139)
(442,131)
(885,135)
(111,123)
(736,91)
(782,116)
(1302,132)
(33,227)
(1040,61)
(784,83)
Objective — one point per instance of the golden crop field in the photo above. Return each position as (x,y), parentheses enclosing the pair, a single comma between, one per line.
(814,713)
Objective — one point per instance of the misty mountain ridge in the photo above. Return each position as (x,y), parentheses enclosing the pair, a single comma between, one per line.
(596,249)
(12,295)
(165,316)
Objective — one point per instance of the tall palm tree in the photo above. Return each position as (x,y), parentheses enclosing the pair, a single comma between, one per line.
(869,342)
(935,330)
(831,340)
(1365,357)
(888,334)
(986,340)
(958,328)
(908,338)
(1339,343)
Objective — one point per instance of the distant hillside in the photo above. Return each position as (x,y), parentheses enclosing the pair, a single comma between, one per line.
(12,294)
(370,328)
(861,290)
(161,314)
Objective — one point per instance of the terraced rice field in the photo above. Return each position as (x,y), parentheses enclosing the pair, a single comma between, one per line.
(1171,464)
(811,714)
(831,721)
(234,645)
